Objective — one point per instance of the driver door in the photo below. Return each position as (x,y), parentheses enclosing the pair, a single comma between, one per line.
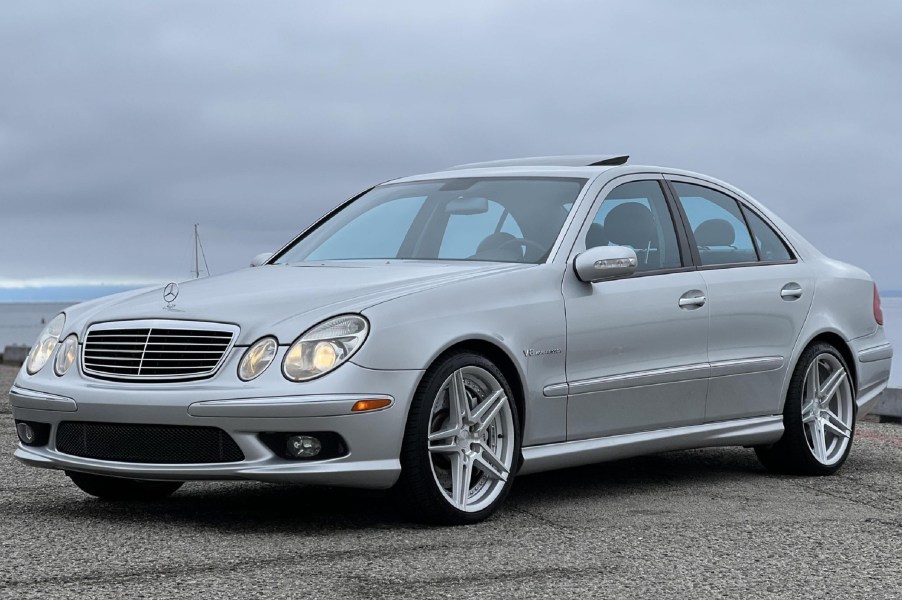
(637,346)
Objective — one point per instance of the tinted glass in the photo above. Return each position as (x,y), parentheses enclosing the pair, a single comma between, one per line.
(392,221)
(717,225)
(770,246)
(465,233)
(635,214)
(507,219)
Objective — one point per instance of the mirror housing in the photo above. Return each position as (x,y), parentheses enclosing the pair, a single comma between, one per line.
(605,262)
(261,259)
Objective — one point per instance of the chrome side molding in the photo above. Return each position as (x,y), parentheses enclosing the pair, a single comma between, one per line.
(34,400)
(881,352)
(721,368)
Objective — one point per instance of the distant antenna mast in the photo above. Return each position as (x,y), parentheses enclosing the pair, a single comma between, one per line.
(199,255)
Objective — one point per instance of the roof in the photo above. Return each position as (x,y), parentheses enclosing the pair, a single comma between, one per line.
(581,160)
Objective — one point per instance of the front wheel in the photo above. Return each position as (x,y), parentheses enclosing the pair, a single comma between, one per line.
(819,416)
(462,442)
(117,488)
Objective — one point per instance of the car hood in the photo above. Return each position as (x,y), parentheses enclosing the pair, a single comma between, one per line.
(281,300)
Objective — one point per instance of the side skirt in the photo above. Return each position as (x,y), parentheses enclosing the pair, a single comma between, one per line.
(739,432)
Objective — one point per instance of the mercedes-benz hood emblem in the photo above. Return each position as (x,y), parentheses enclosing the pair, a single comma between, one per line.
(170,293)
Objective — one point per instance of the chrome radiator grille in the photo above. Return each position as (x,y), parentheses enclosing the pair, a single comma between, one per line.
(156,351)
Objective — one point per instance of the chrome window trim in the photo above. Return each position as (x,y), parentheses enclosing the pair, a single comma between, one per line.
(606,188)
(157,324)
(744,204)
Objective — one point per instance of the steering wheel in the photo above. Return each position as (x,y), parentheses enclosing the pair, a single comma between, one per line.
(525,243)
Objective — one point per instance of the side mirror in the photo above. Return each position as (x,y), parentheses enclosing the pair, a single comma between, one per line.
(261,259)
(605,262)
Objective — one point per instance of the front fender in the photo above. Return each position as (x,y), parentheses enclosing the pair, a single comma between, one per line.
(519,312)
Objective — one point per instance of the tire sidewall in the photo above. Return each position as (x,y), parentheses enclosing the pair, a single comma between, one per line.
(425,499)
(795,429)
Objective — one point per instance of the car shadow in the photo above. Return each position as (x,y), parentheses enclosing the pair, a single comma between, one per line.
(260,507)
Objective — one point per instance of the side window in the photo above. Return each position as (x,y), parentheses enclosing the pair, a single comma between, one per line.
(717,225)
(770,246)
(466,235)
(635,214)
(391,219)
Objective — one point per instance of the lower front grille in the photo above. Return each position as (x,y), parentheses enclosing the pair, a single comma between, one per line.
(168,444)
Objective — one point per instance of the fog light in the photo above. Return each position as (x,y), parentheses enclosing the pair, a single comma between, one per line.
(303,446)
(33,434)
(26,433)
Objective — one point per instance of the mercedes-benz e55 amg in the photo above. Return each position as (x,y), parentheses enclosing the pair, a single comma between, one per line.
(443,333)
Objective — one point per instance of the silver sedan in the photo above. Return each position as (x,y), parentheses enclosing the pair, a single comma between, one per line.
(442,333)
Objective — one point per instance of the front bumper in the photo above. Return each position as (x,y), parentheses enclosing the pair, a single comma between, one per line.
(373,438)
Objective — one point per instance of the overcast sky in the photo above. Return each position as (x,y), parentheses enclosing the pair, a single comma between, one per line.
(123,123)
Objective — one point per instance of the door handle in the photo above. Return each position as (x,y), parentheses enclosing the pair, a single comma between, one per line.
(791,291)
(692,299)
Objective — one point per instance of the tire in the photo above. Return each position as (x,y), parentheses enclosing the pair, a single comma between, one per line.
(481,448)
(119,489)
(802,450)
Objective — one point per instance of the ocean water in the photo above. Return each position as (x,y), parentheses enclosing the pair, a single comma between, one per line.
(892,325)
(20,323)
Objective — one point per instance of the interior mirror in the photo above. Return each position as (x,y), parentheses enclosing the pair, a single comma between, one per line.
(261,259)
(467,206)
(605,262)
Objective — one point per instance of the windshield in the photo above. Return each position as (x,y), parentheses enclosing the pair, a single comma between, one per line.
(503,219)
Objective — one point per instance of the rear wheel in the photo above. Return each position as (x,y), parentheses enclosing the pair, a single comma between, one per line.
(819,416)
(461,443)
(116,488)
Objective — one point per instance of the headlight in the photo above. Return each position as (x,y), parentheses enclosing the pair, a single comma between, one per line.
(325,347)
(257,358)
(66,355)
(45,345)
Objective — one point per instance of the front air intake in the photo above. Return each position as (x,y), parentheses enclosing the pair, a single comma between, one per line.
(162,444)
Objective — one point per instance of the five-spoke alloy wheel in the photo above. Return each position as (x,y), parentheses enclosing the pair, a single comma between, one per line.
(462,441)
(827,411)
(819,416)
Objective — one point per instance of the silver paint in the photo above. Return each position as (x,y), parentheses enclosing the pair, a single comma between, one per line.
(648,363)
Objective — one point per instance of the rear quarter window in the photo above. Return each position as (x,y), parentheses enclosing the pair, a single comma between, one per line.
(770,246)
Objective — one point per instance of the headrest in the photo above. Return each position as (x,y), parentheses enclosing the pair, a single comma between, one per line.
(630,224)
(715,232)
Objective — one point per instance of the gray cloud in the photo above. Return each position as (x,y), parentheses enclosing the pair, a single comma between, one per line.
(121,124)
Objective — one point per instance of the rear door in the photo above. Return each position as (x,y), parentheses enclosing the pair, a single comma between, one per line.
(758,297)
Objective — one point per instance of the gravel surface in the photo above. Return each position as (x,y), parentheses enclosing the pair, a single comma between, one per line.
(707,523)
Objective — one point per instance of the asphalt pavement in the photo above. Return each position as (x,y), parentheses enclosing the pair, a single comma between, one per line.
(696,524)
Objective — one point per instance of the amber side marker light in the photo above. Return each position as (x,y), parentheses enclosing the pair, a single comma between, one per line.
(365,405)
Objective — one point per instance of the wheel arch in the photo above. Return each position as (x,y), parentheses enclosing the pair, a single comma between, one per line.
(835,339)
(499,356)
